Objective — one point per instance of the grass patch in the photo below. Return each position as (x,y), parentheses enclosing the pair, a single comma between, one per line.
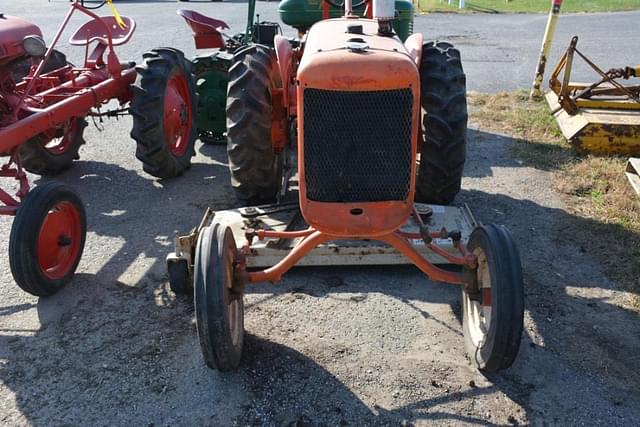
(521,6)
(595,189)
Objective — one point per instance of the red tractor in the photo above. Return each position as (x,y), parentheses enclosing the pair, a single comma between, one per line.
(379,128)
(44,102)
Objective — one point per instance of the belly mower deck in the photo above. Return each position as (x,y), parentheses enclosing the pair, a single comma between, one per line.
(286,217)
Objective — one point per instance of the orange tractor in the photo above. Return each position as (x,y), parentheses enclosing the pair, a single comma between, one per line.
(379,130)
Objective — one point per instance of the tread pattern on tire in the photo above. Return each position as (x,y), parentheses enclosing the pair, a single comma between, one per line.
(34,157)
(37,159)
(147,109)
(24,235)
(443,99)
(254,167)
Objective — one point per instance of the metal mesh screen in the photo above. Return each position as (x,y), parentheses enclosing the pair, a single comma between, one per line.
(357,145)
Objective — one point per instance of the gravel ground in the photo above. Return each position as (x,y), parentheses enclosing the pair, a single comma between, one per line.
(346,346)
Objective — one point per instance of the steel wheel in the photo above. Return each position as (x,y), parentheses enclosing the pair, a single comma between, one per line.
(47,239)
(493,316)
(218,299)
(177,114)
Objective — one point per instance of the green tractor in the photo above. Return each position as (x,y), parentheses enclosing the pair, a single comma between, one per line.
(211,68)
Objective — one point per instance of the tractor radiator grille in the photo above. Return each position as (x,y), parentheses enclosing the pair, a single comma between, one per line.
(357,145)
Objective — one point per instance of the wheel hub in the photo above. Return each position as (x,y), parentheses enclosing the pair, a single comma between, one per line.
(59,240)
(177,115)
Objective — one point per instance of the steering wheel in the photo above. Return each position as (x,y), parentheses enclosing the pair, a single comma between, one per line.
(102,3)
(340,5)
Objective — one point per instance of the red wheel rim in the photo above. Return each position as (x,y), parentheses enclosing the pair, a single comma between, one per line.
(177,115)
(57,145)
(59,240)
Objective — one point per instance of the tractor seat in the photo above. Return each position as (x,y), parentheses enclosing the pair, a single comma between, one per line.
(201,24)
(94,30)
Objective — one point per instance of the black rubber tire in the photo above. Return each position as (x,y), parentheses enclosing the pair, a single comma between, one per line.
(24,237)
(443,97)
(147,108)
(499,345)
(20,69)
(213,299)
(36,158)
(256,170)
(179,278)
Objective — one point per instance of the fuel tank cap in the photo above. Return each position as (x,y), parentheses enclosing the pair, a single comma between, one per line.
(357,45)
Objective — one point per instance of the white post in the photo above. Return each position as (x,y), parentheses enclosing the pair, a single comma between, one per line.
(461,4)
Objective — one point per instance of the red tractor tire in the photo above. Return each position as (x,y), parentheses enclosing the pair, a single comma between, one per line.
(54,151)
(163,110)
(47,239)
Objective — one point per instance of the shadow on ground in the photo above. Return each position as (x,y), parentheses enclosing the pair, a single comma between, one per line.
(125,347)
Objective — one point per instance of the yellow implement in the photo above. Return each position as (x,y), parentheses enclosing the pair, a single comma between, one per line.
(600,118)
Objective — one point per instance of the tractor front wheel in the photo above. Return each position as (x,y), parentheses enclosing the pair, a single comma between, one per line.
(47,239)
(493,313)
(256,169)
(163,110)
(218,298)
(443,97)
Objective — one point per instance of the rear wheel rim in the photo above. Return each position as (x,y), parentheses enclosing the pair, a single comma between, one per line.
(478,313)
(59,240)
(177,115)
(60,145)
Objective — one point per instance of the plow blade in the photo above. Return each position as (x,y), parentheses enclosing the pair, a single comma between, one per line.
(599,131)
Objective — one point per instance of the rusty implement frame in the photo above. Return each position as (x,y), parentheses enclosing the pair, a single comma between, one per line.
(266,251)
(601,117)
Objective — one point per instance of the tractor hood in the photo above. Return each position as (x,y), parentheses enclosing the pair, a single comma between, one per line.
(12,31)
(348,54)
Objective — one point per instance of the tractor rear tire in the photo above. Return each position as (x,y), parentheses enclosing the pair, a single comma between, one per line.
(164,113)
(39,156)
(443,97)
(21,69)
(256,170)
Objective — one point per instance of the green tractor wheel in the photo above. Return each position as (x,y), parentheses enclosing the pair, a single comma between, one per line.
(212,76)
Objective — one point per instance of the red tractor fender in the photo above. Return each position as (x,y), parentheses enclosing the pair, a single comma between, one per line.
(284,53)
(206,31)
(414,47)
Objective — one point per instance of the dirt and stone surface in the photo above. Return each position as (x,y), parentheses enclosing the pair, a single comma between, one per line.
(334,346)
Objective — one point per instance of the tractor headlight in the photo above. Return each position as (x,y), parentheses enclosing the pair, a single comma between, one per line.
(34,46)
